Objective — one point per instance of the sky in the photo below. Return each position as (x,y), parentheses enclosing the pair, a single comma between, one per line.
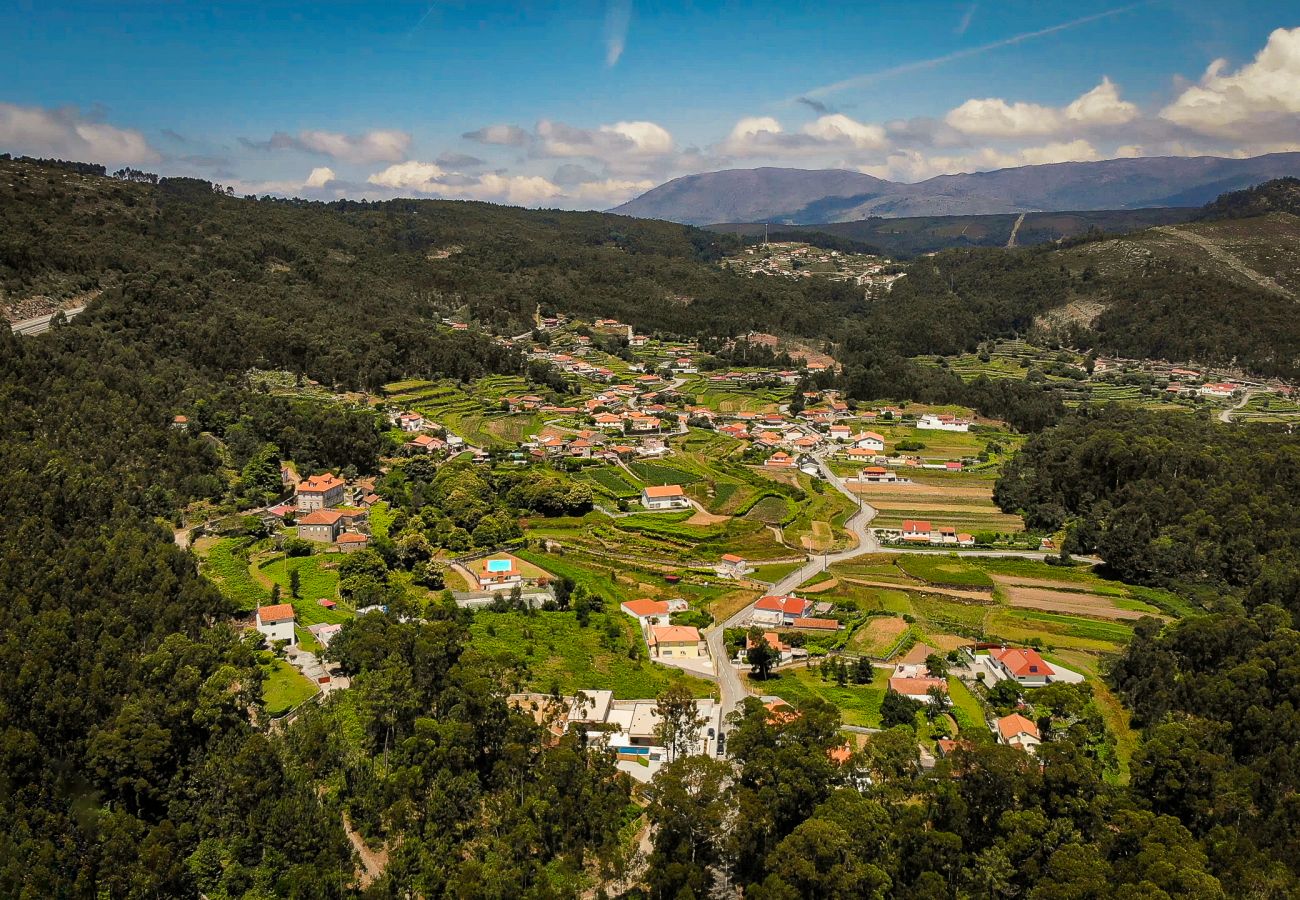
(583,105)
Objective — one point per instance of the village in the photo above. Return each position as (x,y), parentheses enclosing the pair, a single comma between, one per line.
(750,533)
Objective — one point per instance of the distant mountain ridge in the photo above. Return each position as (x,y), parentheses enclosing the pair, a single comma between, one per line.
(820,196)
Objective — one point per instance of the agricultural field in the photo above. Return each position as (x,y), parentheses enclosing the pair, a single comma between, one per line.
(557,654)
(474,415)
(225,562)
(958,599)
(1268,408)
(859,704)
(963,501)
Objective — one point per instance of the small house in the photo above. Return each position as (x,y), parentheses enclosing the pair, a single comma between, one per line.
(498,573)
(733,566)
(680,641)
(664,496)
(1017,731)
(276,623)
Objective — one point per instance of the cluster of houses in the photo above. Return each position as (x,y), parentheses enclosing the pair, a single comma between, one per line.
(793,612)
(921,531)
(665,640)
(326,510)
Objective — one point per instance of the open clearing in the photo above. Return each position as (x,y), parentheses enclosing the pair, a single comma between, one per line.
(1066,598)
(706,518)
(878,635)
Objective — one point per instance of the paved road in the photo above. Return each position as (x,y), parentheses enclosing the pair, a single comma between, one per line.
(859,524)
(1226,416)
(39,324)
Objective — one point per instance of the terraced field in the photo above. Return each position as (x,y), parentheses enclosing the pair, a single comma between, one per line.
(965,502)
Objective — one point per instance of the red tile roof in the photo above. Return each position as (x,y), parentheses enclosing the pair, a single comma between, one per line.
(663,491)
(817,624)
(1016,724)
(280,612)
(1023,662)
(646,607)
(319,484)
(915,687)
(793,606)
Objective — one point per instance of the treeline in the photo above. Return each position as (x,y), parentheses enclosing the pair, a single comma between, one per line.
(1278,195)
(784,819)
(1167,499)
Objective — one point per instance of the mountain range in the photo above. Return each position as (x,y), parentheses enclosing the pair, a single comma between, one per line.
(806,196)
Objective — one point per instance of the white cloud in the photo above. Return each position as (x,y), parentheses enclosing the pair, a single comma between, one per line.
(368,147)
(319,177)
(618,15)
(610,191)
(1101,106)
(996,118)
(835,132)
(410,175)
(67,134)
(428,178)
(837,128)
(504,135)
(913,165)
(1262,94)
(313,185)
(608,143)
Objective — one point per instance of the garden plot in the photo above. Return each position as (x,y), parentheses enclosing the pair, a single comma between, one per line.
(967,506)
(1066,597)
(877,636)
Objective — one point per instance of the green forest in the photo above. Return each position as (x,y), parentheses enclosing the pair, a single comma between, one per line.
(137,761)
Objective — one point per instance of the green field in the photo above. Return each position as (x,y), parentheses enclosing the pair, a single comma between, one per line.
(661,473)
(318,579)
(859,704)
(284,688)
(945,570)
(221,561)
(555,651)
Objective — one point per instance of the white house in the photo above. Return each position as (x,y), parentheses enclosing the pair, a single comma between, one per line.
(840,433)
(664,496)
(733,566)
(933,422)
(653,612)
(1017,731)
(879,475)
(780,610)
(320,492)
(869,440)
(1023,665)
(276,623)
(409,421)
(1222,389)
(499,573)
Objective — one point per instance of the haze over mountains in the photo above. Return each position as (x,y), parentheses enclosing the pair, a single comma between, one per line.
(803,196)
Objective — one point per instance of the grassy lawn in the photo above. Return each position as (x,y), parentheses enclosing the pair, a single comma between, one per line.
(284,688)
(965,708)
(859,704)
(774,572)
(556,651)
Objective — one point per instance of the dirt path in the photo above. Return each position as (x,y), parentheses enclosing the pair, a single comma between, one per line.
(373,862)
(1225,257)
(1015,229)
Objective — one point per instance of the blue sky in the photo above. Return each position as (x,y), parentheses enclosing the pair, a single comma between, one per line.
(584,104)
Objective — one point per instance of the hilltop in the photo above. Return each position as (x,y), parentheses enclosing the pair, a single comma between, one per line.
(800,196)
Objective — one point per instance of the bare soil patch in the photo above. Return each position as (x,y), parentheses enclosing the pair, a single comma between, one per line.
(1058,601)
(706,518)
